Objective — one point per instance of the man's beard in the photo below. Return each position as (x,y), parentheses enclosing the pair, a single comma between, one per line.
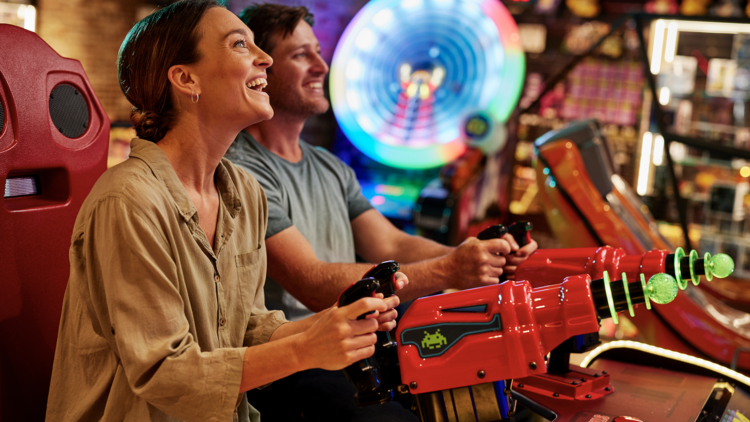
(297,104)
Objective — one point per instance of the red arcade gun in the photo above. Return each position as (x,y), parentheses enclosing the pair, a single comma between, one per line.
(501,353)
(54,136)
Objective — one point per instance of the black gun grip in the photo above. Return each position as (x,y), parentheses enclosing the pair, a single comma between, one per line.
(384,273)
(521,232)
(359,289)
(493,232)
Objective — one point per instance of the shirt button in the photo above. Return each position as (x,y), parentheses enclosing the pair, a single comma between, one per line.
(223,322)
(216,277)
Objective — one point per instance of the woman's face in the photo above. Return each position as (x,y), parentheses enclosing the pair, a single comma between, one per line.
(231,72)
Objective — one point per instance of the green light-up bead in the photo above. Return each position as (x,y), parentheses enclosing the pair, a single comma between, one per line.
(610,300)
(627,294)
(645,291)
(693,276)
(679,253)
(720,265)
(706,265)
(662,288)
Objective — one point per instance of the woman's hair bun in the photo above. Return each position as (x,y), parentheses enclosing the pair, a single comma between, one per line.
(163,39)
(149,125)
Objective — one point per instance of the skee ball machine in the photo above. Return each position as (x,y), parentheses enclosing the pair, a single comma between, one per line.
(422,89)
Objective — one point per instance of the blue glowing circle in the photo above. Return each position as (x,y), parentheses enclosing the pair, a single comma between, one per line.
(407,74)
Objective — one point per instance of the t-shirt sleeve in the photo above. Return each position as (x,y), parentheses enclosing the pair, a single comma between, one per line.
(278,213)
(355,201)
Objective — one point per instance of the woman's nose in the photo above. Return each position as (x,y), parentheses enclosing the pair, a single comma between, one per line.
(263,60)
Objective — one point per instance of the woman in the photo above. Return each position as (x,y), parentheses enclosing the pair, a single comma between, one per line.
(167,257)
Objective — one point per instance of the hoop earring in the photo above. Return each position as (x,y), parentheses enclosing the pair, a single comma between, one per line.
(197,97)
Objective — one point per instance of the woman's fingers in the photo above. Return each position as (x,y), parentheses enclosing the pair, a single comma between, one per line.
(358,342)
(363,326)
(364,306)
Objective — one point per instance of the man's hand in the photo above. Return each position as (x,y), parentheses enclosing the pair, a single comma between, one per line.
(476,263)
(512,261)
(387,319)
(337,338)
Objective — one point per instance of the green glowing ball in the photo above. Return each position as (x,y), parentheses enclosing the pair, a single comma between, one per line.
(662,288)
(721,265)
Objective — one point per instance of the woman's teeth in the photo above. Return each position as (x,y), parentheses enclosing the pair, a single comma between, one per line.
(315,85)
(257,84)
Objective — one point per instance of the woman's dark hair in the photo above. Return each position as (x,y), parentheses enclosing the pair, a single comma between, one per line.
(267,20)
(166,38)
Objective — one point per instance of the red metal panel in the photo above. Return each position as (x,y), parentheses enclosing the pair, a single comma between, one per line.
(533,323)
(645,393)
(36,230)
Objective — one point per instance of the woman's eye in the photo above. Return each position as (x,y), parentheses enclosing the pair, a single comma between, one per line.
(240,43)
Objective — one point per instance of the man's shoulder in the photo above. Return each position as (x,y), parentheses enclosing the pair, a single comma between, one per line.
(322,155)
(246,154)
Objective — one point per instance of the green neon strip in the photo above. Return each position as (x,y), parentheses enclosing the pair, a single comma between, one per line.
(696,279)
(707,266)
(610,301)
(627,294)
(679,254)
(645,292)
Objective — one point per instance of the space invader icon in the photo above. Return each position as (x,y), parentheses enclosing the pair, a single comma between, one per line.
(433,341)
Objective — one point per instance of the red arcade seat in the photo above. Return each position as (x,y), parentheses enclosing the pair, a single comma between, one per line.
(54,136)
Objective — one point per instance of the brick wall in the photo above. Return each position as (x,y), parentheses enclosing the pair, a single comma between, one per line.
(91,31)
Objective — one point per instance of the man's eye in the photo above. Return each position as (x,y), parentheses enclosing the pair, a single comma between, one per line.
(240,43)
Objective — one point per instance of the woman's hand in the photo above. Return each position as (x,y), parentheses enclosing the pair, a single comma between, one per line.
(387,319)
(337,339)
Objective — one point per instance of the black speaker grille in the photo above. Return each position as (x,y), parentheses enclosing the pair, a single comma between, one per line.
(2,116)
(69,111)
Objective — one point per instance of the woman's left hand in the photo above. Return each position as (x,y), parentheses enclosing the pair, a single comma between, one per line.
(387,319)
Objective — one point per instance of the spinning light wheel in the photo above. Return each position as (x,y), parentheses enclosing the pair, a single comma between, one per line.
(412,81)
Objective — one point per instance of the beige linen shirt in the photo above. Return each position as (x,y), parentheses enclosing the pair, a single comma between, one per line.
(155,321)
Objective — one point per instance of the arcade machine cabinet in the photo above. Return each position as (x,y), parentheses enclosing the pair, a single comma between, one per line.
(53,146)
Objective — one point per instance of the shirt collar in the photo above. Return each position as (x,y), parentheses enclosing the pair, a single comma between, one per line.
(157,161)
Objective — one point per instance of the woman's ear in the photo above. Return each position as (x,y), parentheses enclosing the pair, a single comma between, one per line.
(184,82)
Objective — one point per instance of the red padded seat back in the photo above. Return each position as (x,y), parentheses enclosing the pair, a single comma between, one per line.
(54,137)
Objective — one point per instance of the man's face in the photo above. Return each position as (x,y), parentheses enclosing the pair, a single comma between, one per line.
(295,83)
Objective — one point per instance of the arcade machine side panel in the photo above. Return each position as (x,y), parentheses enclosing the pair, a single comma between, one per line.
(567,172)
(640,393)
(53,147)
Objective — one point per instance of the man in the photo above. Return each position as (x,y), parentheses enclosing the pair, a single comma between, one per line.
(317,216)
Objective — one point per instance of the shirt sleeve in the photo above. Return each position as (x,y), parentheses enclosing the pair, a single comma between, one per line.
(133,283)
(262,322)
(355,201)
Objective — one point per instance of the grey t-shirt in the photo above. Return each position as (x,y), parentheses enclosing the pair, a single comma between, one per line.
(319,195)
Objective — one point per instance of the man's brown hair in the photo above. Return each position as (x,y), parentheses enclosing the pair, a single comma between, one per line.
(267,20)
